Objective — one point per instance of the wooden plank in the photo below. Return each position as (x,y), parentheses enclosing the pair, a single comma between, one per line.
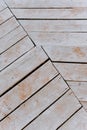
(80,90)
(72,39)
(84,103)
(10,56)
(8,26)
(56,114)
(2,5)
(54,25)
(46,4)
(28,87)
(67,53)
(75,72)
(5,15)
(11,38)
(36,105)
(77,122)
(74,13)
(21,68)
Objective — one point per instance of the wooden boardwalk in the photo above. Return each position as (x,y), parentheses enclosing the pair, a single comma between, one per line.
(43,65)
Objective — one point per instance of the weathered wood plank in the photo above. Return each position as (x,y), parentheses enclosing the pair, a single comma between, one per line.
(11,38)
(84,103)
(67,53)
(72,39)
(36,105)
(77,122)
(8,26)
(56,114)
(46,4)
(21,68)
(15,52)
(75,72)
(54,25)
(80,90)
(28,87)
(74,13)
(5,15)
(2,5)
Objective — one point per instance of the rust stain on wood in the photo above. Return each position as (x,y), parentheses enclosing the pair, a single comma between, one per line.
(24,90)
(33,85)
(79,52)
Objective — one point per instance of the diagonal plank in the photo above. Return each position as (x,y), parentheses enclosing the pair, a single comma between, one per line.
(71,71)
(12,38)
(28,87)
(33,95)
(74,13)
(8,26)
(5,15)
(57,114)
(26,64)
(20,48)
(54,26)
(2,5)
(80,90)
(46,4)
(77,122)
(72,39)
(67,53)
(36,105)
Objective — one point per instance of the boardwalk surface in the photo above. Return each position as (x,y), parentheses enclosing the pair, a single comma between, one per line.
(43,65)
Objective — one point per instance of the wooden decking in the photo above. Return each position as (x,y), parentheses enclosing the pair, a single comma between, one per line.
(43,65)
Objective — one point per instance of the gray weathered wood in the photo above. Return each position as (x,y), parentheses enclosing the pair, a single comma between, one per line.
(15,52)
(67,53)
(71,71)
(8,26)
(21,68)
(84,103)
(54,25)
(28,87)
(80,90)
(72,39)
(37,104)
(57,114)
(46,4)
(77,122)
(74,13)
(11,38)
(5,15)
(2,5)
(29,82)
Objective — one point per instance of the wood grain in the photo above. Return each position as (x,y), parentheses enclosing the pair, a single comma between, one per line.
(67,53)
(36,105)
(54,26)
(71,71)
(66,39)
(43,64)
(11,38)
(74,13)
(56,114)
(10,56)
(8,26)
(80,90)
(46,4)
(26,64)
(28,87)
(78,121)
(5,15)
